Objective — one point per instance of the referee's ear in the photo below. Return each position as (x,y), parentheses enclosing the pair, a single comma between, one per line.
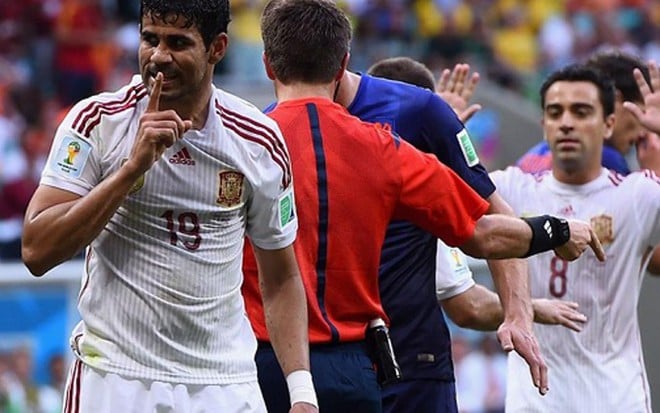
(342,67)
(269,69)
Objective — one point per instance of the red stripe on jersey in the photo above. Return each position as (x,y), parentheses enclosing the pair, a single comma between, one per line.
(250,125)
(263,140)
(615,178)
(91,110)
(103,110)
(648,173)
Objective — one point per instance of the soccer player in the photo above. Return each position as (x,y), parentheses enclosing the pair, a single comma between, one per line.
(351,179)
(628,131)
(169,174)
(601,369)
(467,304)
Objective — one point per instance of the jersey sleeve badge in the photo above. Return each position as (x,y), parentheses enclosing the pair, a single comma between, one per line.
(71,157)
(286,208)
(467,148)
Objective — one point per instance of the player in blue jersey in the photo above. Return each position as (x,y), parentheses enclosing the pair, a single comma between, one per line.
(627,130)
(407,272)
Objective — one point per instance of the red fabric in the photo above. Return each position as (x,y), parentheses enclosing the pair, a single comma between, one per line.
(372,178)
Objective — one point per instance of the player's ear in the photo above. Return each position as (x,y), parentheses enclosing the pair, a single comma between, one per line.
(609,125)
(269,70)
(218,48)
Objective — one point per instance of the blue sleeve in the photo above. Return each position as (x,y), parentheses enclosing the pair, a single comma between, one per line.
(269,108)
(440,127)
(612,159)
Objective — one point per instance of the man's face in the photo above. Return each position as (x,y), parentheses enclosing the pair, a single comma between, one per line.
(179,53)
(574,125)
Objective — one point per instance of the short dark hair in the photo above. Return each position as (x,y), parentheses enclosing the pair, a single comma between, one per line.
(578,72)
(404,69)
(210,17)
(305,40)
(619,67)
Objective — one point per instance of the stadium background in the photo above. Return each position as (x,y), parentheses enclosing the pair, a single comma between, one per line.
(54,52)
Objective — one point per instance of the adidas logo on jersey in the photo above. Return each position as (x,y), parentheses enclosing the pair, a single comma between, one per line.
(182,158)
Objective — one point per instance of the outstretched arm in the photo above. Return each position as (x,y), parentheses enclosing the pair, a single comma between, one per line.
(502,236)
(479,308)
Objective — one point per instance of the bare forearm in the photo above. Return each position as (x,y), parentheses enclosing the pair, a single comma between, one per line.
(286,318)
(512,286)
(498,237)
(56,233)
(477,308)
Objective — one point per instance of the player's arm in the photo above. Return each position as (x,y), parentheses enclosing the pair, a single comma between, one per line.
(285,310)
(498,236)
(479,308)
(58,224)
(514,324)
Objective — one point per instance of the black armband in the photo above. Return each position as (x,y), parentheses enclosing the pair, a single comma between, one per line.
(548,233)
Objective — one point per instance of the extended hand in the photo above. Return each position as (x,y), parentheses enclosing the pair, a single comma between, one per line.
(649,116)
(582,236)
(520,337)
(452,87)
(557,312)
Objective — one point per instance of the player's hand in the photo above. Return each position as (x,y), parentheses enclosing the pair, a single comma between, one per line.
(520,337)
(582,237)
(648,152)
(303,408)
(649,116)
(157,131)
(456,88)
(558,312)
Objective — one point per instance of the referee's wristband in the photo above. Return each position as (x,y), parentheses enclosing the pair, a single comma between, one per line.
(548,233)
(301,388)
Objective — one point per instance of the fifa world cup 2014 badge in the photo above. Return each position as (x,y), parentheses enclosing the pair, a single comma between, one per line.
(602,226)
(231,189)
(71,156)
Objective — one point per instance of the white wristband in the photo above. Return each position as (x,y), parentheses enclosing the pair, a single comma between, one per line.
(301,388)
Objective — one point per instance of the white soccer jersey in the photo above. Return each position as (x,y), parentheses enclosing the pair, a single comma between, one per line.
(600,369)
(160,298)
(452,273)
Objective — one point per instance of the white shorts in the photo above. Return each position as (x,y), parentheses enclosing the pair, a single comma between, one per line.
(90,391)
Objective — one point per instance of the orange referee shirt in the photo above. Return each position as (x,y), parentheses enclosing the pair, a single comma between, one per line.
(351,179)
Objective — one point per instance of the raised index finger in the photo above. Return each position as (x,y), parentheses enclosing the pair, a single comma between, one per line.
(154,97)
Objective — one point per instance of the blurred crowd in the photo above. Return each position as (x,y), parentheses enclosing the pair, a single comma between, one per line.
(18,391)
(56,52)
